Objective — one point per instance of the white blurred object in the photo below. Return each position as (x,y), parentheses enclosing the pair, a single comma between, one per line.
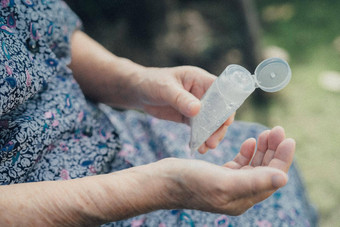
(330,80)
(275,52)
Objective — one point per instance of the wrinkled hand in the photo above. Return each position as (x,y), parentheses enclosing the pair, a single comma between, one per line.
(238,185)
(174,94)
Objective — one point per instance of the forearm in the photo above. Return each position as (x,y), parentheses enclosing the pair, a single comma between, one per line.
(103,76)
(83,202)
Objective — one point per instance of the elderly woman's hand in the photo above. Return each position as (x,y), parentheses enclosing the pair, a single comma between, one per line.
(238,185)
(166,93)
(175,93)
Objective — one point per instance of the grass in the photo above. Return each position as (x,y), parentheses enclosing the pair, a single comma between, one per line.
(310,114)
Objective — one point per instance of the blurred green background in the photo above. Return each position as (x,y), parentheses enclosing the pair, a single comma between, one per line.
(213,34)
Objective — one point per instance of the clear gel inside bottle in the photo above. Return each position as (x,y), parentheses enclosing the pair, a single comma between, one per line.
(230,90)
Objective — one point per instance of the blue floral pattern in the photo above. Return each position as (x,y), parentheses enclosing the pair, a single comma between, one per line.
(49,131)
(43,112)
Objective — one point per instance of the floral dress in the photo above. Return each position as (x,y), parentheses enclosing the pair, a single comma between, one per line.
(49,131)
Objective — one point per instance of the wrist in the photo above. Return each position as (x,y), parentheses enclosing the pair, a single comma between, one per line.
(122,84)
(172,173)
(134,191)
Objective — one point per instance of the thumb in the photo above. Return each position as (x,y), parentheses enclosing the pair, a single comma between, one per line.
(185,102)
(255,181)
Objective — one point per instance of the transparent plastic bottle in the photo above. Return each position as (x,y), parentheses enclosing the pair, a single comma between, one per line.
(230,90)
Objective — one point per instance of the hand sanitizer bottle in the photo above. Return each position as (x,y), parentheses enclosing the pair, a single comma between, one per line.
(230,90)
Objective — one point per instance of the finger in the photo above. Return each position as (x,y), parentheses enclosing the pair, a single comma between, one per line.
(195,80)
(244,156)
(182,100)
(230,120)
(257,198)
(260,184)
(203,148)
(256,181)
(275,137)
(213,141)
(275,181)
(284,154)
(216,137)
(262,146)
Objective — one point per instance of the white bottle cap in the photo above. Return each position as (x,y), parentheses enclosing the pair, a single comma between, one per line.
(272,74)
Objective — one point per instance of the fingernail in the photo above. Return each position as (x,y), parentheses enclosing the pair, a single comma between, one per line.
(278,127)
(292,140)
(202,150)
(191,105)
(278,181)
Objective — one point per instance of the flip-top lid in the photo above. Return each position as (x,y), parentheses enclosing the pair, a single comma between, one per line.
(272,74)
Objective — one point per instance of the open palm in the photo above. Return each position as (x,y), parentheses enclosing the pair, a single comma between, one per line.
(242,182)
